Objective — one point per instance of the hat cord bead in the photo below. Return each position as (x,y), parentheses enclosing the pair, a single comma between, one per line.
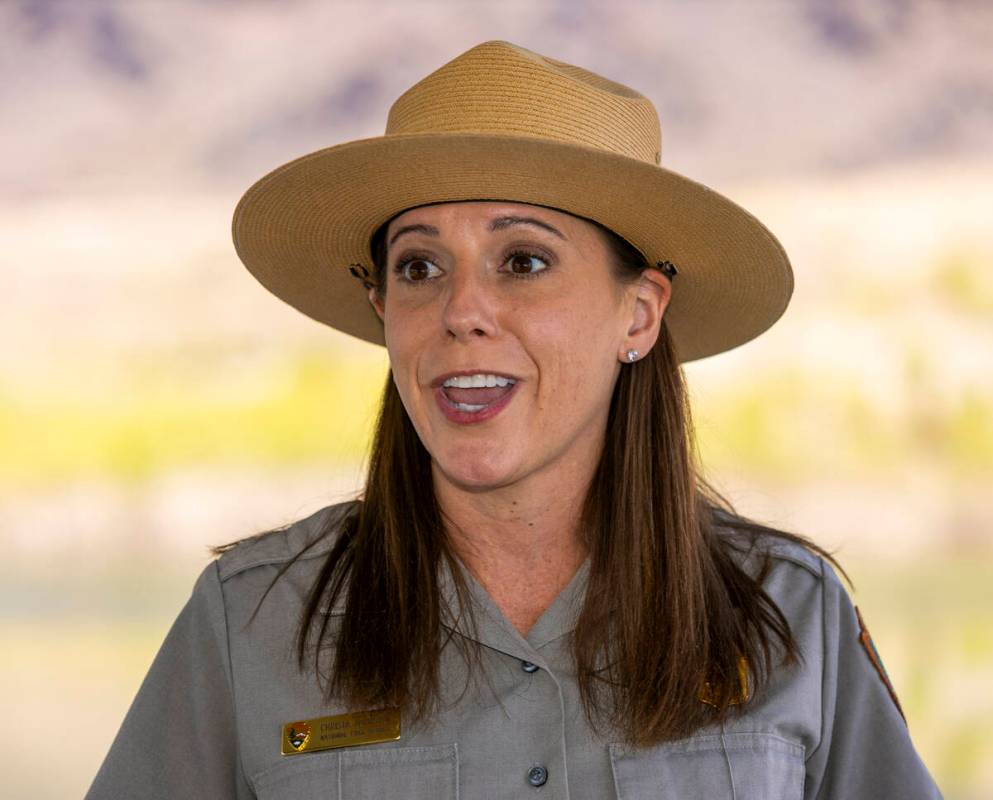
(355,269)
(668,268)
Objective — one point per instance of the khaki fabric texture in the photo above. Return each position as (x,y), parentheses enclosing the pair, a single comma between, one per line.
(207,719)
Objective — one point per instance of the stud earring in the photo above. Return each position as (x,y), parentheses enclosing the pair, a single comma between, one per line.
(632,355)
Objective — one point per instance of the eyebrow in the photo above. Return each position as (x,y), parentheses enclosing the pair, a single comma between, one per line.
(497,224)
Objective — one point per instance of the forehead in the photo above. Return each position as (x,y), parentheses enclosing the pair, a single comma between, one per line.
(480,210)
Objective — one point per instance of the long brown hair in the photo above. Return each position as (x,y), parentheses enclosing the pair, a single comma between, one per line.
(668,605)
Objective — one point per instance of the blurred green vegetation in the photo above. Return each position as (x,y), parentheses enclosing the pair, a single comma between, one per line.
(787,422)
(791,424)
(312,408)
(963,278)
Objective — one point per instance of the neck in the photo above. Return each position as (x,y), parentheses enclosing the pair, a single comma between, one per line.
(522,542)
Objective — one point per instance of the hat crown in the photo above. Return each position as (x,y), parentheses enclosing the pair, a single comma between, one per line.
(501,88)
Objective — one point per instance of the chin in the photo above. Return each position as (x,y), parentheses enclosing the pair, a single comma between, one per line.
(475,473)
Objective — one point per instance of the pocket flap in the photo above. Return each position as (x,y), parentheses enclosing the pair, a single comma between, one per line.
(757,765)
(412,773)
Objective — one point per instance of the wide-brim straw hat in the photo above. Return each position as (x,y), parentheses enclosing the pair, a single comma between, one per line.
(500,122)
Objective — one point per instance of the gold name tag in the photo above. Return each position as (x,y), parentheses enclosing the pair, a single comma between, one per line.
(342,730)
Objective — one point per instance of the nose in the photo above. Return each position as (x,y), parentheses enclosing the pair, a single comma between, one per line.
(469,308)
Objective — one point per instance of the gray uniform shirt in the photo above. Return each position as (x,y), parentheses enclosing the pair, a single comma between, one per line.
(207,720)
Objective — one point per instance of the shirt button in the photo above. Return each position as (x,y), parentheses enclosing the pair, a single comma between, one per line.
(537,776)
(527,666)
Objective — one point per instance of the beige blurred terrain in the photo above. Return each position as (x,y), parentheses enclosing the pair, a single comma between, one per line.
(155,399)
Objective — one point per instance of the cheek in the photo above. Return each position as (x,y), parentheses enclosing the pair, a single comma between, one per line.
(574,350)
(403,323)
(403,346)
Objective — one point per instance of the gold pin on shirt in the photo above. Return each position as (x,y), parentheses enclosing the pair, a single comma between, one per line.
(341,730)
(707,693)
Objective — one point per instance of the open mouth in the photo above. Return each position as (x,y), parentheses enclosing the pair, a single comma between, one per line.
(474,398)
(473,393)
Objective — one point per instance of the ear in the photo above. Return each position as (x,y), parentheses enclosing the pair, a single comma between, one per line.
(376,302)
(651,297)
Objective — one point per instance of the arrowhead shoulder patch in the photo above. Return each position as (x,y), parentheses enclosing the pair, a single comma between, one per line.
(870,649)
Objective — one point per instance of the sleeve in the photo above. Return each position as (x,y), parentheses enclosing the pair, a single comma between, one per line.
(865,750)
(179,737)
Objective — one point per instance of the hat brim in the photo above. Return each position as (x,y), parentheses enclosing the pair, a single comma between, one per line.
(299,227)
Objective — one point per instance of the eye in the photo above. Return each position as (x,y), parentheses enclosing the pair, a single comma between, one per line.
(525,264)
(415,269)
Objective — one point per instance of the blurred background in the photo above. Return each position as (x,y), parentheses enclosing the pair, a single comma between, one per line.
(155,399)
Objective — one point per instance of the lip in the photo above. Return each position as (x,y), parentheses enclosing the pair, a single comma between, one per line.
(453,414)
(437,382)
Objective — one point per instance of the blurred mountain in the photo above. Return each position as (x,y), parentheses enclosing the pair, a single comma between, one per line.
(112,96)
(860,133)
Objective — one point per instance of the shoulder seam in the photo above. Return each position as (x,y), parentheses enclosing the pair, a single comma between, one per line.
(814,564)
(768,543)
(272,560)
(309,548)
(784,550)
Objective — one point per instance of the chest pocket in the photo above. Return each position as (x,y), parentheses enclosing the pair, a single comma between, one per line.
(411,773)
(745,766)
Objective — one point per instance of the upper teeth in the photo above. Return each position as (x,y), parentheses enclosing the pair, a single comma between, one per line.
(478,381)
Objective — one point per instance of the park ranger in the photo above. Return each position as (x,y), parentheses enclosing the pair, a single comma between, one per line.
(536,593)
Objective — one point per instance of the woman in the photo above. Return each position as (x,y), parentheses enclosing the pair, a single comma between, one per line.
(537,593)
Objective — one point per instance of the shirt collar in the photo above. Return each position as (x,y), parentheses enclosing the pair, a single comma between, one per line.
(493,629)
